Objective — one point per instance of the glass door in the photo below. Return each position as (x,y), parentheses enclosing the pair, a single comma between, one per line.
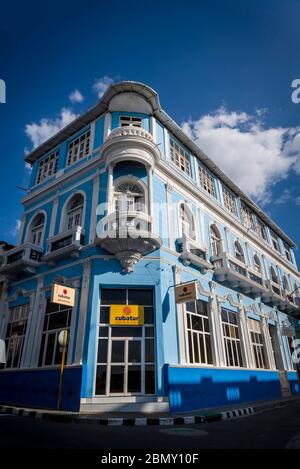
(125,359)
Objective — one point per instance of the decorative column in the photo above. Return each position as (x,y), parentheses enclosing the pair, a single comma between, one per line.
(150,190)
(180,313)
(21,229)
(245,338)
(110,186)
(95,199)
(53,216)
(268,343)
(217,338)
(38,313)
(29,337)
(82,310)
(170,232)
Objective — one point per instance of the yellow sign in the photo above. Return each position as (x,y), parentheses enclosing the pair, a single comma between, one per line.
(126,315)
(186,292)
(63,295)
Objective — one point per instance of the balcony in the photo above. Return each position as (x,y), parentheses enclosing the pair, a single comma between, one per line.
(193,253)
(23,259)
(231,270)
(128,236)
(277,296)
(66,244)
(130,143)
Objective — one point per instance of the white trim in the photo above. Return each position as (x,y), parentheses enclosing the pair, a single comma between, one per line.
(95,199)
(28,227)
(63,216)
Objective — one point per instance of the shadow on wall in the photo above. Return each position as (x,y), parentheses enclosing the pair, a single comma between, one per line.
(192,388)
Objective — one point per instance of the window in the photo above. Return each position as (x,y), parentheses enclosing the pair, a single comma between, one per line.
(47,167)
(261,230)
(231,338)
(187,221)
(79,148)
(126,355)
(257,343)
(129,121)
(36,230)
(129,197)
(286,284)
(275,243)
(274,276)
(238,252)
(180,157)
(257,264)
(57,318)
(74,211)
(206,181)
(229,201)
(198,332)
(15,335)
(287,252)
(216,241)
(247,216)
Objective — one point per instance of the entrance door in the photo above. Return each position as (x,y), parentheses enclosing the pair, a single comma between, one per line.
(125,363)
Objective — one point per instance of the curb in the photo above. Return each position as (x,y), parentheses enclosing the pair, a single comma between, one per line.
(137,421)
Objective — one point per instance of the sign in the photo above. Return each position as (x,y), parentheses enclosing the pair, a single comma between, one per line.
(63,295)
(186,292)
(126,315)
(2,351)
(288,331)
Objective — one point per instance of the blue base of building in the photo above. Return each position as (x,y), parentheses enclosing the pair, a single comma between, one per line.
(39,388)
(199,388)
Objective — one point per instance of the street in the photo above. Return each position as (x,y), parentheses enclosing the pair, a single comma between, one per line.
(277,428)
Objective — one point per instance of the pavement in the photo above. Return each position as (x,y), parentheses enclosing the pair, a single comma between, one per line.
(272,427)
(141,419)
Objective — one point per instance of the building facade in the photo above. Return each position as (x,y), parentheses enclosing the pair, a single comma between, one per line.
(123,207)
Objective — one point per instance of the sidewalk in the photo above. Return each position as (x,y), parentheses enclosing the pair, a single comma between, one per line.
(140,419)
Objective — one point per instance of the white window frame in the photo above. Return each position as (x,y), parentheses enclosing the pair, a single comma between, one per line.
(35,234)
(247,216)
(17,316)
(47,167)
(258,344)
(229,201)
(130,121)
(207,181)
(232,340)
(239,252)
(180,157)
(195,337)
(79,147)
(187,221)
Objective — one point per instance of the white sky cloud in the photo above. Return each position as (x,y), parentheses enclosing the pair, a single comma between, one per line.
(76,97)
(253,156)
(15,230)
(101,85)
(45,128)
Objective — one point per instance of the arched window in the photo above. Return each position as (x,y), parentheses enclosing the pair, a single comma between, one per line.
(215,241)
(257,264)
(129,196)
(74,211)
(285,283)
(187,222)
(36,230)
(238,252)
(273,275)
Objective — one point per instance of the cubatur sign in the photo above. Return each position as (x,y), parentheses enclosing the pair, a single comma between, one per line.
(186,292)
(63,295)
(126,315)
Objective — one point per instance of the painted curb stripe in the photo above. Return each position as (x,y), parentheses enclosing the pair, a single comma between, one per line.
(139,421)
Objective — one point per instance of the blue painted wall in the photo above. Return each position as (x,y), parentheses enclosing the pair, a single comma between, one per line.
(199,388)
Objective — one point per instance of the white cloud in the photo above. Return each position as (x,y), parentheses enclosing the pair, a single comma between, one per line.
(15,230)
(253,156)
(76,97)
(101,85)
(45,128)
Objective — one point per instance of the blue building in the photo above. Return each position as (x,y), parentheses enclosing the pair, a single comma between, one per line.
(123,207)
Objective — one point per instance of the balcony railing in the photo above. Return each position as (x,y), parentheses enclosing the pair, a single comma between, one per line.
(193,253)
(130,131)
(22,259)
(237,274)
(129,236)
(277,296)
(65,244)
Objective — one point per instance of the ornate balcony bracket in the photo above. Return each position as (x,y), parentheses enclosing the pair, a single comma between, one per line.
(129,237)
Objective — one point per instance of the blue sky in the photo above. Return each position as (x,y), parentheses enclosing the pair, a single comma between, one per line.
(223,69)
